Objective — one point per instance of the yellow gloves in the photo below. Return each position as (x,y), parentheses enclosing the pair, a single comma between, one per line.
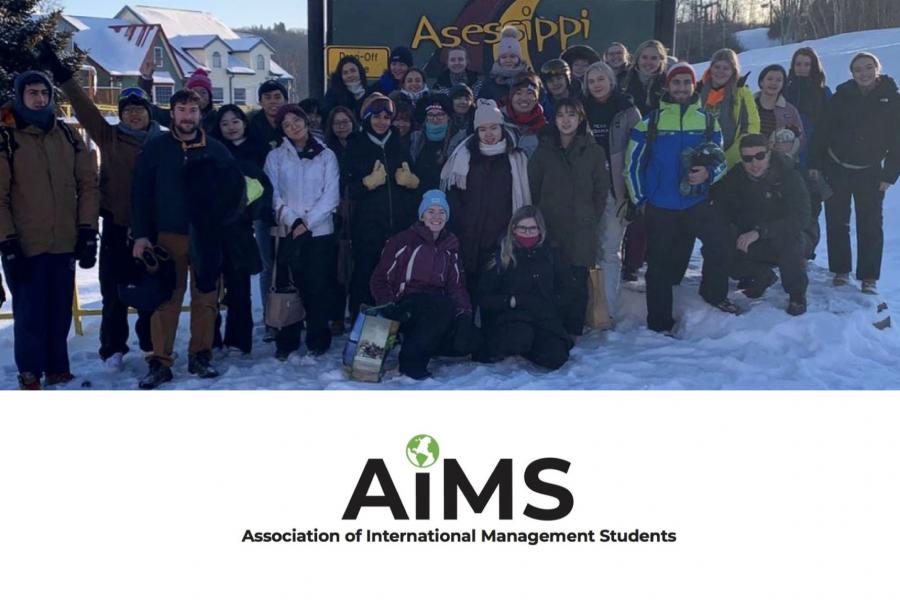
(377,178)
(254,190)
(406,178)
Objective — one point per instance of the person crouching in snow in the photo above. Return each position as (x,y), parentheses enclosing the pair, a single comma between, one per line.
(420,278)
(523,293)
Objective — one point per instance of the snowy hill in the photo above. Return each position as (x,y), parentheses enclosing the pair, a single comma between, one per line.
(833,346)
(758,37)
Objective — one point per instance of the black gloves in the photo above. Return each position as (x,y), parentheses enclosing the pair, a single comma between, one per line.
(14,261)
(51,62)
(395,312)
(2,292)
(86,247)
(632,212)
(466,337)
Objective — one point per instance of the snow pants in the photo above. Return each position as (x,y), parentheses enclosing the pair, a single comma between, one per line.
(789,254)
(115,256)
(425,332)
(525,339)
(862,187)
(239,318)
(674,229)
(42,313)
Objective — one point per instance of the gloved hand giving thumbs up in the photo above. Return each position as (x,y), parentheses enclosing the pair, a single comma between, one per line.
(406,178)
(377,178)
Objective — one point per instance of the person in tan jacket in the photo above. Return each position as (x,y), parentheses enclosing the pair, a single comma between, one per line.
(49,207)
(120,145)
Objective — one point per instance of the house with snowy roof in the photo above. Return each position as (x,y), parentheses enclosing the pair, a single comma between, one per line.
(237,63)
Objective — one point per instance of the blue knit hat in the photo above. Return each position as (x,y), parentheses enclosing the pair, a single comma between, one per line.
(434,198)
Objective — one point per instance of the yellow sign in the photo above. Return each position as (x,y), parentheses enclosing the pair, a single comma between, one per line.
(373,58)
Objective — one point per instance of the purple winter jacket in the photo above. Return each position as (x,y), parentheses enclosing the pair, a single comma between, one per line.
(414,262)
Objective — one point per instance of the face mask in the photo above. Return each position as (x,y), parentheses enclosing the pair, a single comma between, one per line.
(527,242)
(436,133)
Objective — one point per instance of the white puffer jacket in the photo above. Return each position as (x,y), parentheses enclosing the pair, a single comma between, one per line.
(307,189)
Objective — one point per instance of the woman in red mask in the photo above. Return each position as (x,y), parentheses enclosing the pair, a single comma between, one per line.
(523,293)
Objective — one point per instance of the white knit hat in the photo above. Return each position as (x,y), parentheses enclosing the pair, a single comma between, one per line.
(487,113)
(509,42)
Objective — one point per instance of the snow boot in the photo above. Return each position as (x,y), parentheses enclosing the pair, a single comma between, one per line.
(840,279)
(729,307)
(199,365)
(58,378)
(156,376)
(758,287)
(796,305)
(629,276)
(869,286)
(29,381)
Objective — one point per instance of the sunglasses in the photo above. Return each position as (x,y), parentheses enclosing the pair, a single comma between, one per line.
(133,92)
(747,158)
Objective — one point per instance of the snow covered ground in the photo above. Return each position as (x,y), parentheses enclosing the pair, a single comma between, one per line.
(833,346)
(758,37)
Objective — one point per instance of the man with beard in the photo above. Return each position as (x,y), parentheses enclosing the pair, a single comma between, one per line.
(162,197)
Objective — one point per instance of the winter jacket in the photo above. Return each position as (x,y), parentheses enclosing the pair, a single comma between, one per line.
(413,262)
(482,211)
(388,209)
(570,186)
(787,115)
(656,178)
(118,151)
(613,135)
(859,129)
(48,186)
(744,118)
(341,96)
(810,101)
(646,97)
(251,158)
(385,84)
(428,158)
(445,82)
(777,205)
(306,190)
(270,137)
(541,281)
(160,200)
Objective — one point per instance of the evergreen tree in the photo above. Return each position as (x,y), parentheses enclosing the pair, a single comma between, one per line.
(21,31)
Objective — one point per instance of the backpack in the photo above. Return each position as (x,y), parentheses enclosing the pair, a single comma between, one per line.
(8,144)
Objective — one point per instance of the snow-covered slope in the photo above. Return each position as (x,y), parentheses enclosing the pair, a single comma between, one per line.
(833,346)
(758,37)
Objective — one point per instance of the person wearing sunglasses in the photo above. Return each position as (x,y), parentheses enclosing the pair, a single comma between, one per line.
(524,293)
(767,206)
(120,145)
(381,189)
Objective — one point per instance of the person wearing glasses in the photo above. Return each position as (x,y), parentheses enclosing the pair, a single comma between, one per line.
(120,145)
(306,182)
(49,205)
(167,210)
(767,204)
(381,189)
(429,145)
(524,293)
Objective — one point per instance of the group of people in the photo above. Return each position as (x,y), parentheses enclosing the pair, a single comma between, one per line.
(471,211)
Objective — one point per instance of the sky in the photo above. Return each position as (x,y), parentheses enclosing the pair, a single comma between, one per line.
(233,12)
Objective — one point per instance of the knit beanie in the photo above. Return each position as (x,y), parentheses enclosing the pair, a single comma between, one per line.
(681,68)
(769,69)
(434,198)
(402,54)
(200,80)
(461,89)
(487,113)
(272,85)
(509,42)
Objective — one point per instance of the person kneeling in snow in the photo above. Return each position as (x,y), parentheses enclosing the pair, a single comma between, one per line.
(767,203)
(419,277)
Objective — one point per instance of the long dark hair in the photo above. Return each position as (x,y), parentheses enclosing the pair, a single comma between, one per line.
(220,114)
(816,73)
(578,108)
(337,82)
(330,138)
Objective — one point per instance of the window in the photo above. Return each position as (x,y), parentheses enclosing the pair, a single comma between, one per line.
(218,95)
(240,96)
(260,62)
(158,57)
(217,60)
(162,94)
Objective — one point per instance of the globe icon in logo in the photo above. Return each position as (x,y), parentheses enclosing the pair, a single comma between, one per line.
(422,451)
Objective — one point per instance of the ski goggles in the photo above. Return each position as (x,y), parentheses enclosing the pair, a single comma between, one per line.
(378,107)
(134,92)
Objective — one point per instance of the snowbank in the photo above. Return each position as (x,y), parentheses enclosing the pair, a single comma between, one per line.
(751,39)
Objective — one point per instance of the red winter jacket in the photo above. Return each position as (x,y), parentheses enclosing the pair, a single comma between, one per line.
(414,262)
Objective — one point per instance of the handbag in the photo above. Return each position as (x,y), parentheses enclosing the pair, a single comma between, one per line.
(283,308)
(597,315)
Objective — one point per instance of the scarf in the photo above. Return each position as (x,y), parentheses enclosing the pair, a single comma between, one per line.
(311,150)
(493,149)
(357,91)
(43,118)
(507,76)
(414,97)
(720,104)
(143,136)
(529,122)
(456,171)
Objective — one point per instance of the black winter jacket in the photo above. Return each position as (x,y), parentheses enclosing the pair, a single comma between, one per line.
(541,281)
(860,129)
(777,205)
(251,158)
